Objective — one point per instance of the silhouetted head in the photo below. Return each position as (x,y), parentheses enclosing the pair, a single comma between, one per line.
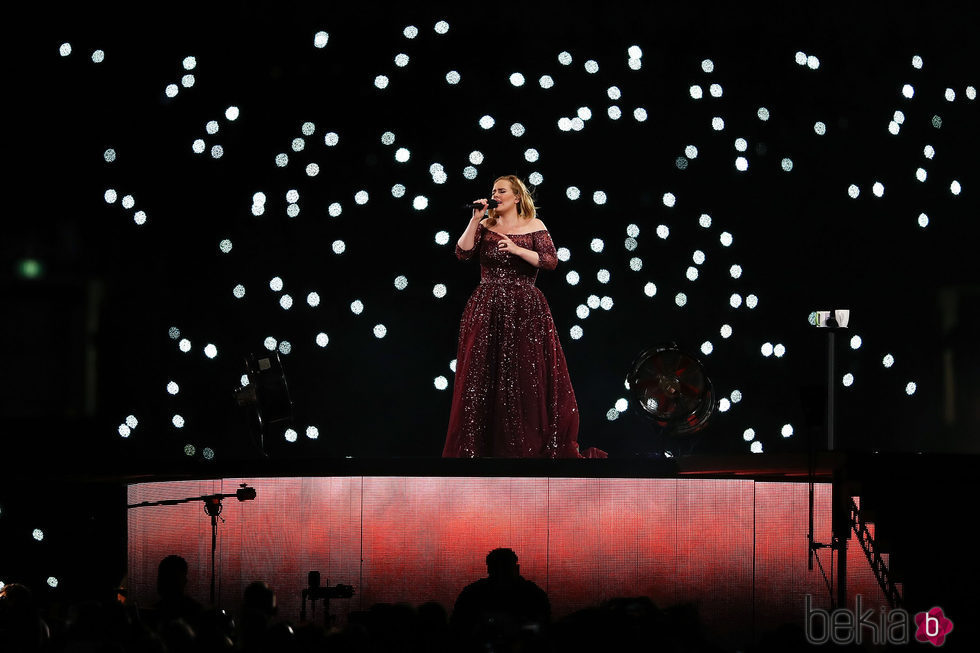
(172,576)
(260,599)
(502,563)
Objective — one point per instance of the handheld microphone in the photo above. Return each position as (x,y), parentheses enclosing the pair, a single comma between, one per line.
(491,204)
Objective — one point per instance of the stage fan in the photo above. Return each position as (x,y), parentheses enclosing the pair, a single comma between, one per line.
(670,387)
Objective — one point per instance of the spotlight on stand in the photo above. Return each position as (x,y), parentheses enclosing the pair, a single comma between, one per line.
(265,397)
(670,387)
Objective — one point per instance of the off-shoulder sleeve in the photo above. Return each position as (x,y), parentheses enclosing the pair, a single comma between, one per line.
(543,245)
(467,254)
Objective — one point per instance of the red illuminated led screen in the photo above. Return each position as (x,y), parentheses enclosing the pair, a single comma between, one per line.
(736,549)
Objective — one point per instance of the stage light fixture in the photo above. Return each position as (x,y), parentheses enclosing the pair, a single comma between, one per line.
(124,431)
(312,170)
(410,32)
(380,331)
(439,290)
(756,447)
(707,347)
(680,299)
(516,79)
(735,300)
(848,380)
(748,434)
(908,91)
(650,289)
(606,303)
(210,351)
(198,146)
(564,254)
(691,273)
(741,164)
(635,63)
(320,39)
(322,339)
(593,301)
(286,301)
(921,174)
(565,58)
(401,60)
(361,197)
(357,307)
(189,450)
(575,332)
(853,191)
(763,114)
(420,202)
(718,123)
(640,114)
(612,414)
(282,159)
(178,421)
(184,345)
(536,178)
(888,360)
(955,187)
(330,139)
(238,291)
(725,331)
(232,113)
(441,27)
(787,164)
(531,155)
(893,128)
(64,49)
(910,388)
(812,62)
(171,90)
(715,90)
(971,92)
(820,128)
(603,276)
(572,192)
(582,311)
(878,189)
(440,383)
(726,239)
(285,347)
(572,278)
(636,264)
(290,435)
(546,81)
(269,343)
(381,82)
(292,210)
(453,77)
(751,301)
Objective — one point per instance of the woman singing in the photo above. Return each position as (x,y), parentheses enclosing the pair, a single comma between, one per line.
(512,396)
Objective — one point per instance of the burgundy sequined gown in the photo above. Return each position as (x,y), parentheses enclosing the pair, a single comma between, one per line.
(512,396)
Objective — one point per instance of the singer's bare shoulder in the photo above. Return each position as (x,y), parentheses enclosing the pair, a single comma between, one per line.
(537,225)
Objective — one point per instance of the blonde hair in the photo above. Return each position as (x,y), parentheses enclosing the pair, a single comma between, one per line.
(525,202)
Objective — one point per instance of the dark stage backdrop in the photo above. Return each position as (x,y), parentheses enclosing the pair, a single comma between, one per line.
(736,549)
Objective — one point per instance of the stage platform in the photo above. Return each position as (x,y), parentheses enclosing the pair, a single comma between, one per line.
(727,535)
